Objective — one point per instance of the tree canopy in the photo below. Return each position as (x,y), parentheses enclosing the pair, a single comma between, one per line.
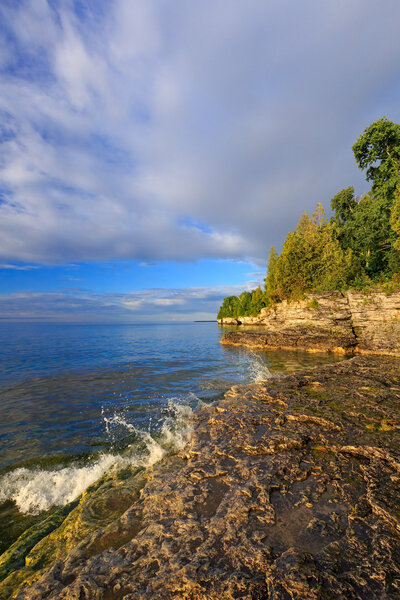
(377,151)
(359,246)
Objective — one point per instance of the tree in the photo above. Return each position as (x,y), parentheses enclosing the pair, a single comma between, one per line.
(271,284)
(228,308)
(344,205)
(377,151)
(364,227)
(311,259)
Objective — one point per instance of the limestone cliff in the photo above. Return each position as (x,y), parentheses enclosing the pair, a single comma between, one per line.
(351,322)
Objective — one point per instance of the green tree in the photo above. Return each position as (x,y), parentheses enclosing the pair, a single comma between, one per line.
(258,301)
(364,227)
(228,308)
(344,205)
(311,259)
(271,283)
(395,218)
(377,151)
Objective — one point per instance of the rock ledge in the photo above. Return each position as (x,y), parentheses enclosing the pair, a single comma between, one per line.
(289,489)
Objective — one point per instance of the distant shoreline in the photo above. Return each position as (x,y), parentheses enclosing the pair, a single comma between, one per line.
(206,321)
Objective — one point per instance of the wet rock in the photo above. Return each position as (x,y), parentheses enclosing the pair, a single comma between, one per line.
(289,489)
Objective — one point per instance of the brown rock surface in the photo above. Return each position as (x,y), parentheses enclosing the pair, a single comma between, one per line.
(376,321)
(289,489)
(351,323)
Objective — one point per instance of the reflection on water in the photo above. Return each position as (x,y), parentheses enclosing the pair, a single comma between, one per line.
(77,400)
(61,381)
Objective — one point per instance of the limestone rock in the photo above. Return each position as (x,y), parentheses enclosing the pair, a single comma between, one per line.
(351,323)
(289,489)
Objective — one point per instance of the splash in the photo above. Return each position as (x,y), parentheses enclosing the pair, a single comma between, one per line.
(37,490)
(257,369)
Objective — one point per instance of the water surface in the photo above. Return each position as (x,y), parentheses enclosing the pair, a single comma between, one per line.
(79,399)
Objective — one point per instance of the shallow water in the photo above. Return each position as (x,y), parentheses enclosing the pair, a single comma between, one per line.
(77,400)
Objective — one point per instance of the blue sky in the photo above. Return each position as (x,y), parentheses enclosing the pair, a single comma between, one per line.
(152,151)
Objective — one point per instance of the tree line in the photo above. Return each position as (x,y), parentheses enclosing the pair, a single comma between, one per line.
(358,247)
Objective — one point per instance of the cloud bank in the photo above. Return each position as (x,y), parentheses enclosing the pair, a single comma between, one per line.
(149,305)
(153,130)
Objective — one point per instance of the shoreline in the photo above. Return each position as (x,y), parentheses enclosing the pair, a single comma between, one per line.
(260,339)
(344,323)
(281,492)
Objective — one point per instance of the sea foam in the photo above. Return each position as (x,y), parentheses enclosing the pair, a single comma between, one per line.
(37,490)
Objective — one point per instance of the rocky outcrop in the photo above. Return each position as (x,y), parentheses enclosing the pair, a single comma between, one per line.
(351,323)
(376,322)
(289,490)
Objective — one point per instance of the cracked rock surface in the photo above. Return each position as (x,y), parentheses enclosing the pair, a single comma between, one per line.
(346,323)
(289,489)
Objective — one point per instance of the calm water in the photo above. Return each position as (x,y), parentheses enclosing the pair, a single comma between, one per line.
(75,398)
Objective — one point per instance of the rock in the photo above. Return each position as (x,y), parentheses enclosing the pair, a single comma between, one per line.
(376,322)
(228,321)
(351,323)
(289,489)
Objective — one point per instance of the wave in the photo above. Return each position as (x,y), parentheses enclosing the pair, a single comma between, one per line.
(37,490)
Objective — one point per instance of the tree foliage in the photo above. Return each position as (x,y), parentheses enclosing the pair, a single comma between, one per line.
(365,229)
(395,218)
(360,244)
(246,305)
(311,259)
(377,151)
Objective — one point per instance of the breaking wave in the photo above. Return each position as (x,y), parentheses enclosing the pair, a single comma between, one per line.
(37,490)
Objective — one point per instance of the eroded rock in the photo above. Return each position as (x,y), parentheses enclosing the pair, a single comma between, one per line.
(346,323)
(289,489)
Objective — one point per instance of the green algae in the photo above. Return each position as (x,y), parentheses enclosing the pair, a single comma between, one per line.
(64,528)
(14,557)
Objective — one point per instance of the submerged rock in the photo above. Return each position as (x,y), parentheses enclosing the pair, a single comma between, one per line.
(289,489)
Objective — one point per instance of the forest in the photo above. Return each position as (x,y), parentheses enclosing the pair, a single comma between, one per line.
(357,248)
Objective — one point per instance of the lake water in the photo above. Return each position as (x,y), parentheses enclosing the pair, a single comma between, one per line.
(78,399)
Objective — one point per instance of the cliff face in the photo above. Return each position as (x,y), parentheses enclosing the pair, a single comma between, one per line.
(351,323)
(376,321)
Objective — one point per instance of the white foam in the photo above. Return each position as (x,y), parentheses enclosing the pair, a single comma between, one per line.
(258,370)
(35,490)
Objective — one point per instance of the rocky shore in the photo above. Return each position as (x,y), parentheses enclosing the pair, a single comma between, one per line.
(288,489)
(346,323)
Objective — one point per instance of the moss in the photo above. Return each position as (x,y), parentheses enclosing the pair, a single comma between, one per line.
(315,394)
(313,304)
(99,506)
(383,425)
(14,557)
(322,453)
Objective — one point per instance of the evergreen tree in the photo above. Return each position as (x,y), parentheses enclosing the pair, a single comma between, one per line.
(271,283)
(311,259)
(395,218)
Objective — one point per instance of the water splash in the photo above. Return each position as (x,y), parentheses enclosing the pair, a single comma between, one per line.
(257,368)
(37,490)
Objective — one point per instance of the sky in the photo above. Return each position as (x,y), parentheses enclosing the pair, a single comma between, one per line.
(152,151)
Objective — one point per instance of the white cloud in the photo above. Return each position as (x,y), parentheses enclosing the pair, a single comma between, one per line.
(121,127)
(19,267)
(147,305)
